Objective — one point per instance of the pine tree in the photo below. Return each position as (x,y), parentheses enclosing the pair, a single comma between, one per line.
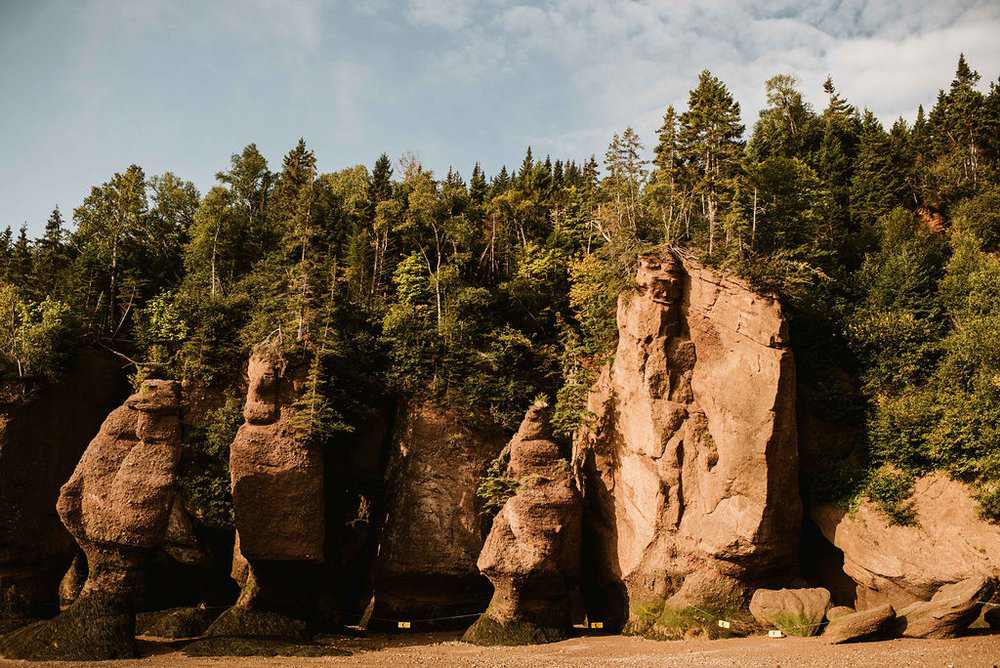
(667,184)
(477,186)
(50,253)
(711,132)
(877,186)
(292,213)
(21,253)
(54,236)
(526,171)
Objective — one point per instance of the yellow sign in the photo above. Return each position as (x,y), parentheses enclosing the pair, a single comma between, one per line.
(597,625)
(403,625)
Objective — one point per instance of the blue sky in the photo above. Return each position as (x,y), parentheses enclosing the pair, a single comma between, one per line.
(89,87)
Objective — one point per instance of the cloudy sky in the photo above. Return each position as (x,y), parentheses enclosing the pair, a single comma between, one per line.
(89,87)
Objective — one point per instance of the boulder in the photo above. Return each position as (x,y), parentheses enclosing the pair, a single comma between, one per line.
(895,564)
(796,612)
(42,437)
(952,609)
(242,631)
(838,611)
(689,471)
(862,625)
(116,505)
(277,483)
(433,531)
(532,554)
(175,623)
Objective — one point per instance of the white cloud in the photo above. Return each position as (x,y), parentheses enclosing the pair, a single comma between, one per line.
(627,59)
(447,14)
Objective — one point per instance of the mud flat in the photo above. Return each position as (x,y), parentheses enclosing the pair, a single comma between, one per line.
(443,650)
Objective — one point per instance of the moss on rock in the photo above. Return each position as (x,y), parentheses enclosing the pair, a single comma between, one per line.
(88,630)
(175,622)
(658,621)
(8,624)
(240,622)
(488,632)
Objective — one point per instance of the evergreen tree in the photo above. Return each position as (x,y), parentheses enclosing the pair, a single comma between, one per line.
(711,132)
(877,184)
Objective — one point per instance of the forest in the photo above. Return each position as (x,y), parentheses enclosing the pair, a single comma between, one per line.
(487,291)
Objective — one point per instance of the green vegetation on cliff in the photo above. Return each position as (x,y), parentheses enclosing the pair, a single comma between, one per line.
(483,293)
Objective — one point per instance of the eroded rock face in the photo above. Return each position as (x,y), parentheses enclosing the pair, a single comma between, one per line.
(116,505)
(277,483)
(433,532)
(948,613)
(903,564)
(41,440)
(690,472)
(796,612)
(277,477)
(532,554)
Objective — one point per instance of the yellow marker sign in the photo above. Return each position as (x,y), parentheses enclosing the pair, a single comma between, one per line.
(597,625)
(724,624)
(775,634)
(403,625)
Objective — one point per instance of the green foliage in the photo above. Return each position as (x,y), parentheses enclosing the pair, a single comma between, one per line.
(837,482)
(889,491)
(496,485)
(35,337)
(204,467)
(979,216)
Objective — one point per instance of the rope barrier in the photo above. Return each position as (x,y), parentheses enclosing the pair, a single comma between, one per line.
(716,618)
(361,616)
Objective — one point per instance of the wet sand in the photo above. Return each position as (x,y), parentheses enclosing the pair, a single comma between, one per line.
(443,650)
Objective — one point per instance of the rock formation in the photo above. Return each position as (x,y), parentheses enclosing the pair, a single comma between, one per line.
(175,622)
(277,483)
(41,439)
(116,505)
(838,611)
(690,471)
(532,554)
(948,613)
(862,625)
(796,612)
(902,564)
(433,532)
